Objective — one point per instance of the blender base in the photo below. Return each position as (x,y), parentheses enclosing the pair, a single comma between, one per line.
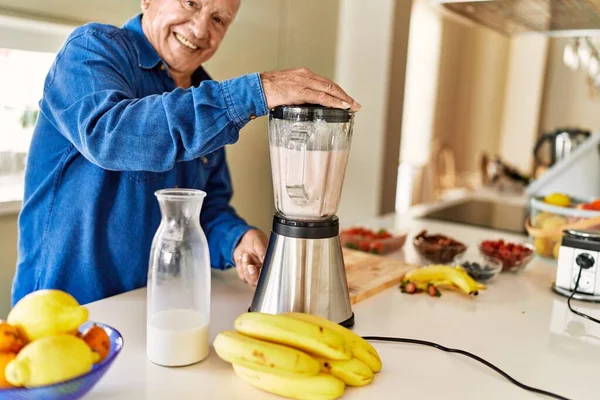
(304,271)
(349,323)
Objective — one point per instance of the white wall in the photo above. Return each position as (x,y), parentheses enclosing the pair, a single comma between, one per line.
(455,83)
(568,101)
(362,69)
(523,100)
(73,11)
(421,84)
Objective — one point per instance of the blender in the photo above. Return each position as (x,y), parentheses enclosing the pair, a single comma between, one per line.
(304,268)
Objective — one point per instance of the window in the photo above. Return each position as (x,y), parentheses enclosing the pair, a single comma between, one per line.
(22,75)
(27,50)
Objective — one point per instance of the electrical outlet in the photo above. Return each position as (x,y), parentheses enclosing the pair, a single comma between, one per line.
(587,282)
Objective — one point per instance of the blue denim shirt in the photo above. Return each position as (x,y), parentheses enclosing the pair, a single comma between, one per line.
(114,128)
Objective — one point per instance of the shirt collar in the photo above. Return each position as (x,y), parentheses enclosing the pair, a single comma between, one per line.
(148,58)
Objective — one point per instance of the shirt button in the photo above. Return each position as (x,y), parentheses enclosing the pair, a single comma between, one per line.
(204,160)
(162,67)
(252,117)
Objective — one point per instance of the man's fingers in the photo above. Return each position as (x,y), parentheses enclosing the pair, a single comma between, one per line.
(246,261)
(260,249)
(322,98)
(238,268)
(330,88)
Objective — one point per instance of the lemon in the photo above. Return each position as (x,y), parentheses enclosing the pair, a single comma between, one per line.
(49,360)
(47,312)
(558,199)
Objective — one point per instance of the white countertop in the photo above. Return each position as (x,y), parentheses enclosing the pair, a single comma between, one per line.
(518,324)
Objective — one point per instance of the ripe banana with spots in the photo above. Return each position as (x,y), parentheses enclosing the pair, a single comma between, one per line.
(319,387)
(352,372)
(443,275)
(361,349)
(315,339)
(236,348)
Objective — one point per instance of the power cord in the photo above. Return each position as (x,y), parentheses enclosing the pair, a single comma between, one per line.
(582,315)
(467,354)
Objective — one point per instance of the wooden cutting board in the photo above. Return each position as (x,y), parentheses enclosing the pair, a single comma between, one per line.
(369,274)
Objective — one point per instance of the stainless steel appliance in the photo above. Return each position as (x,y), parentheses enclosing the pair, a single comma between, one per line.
(579,254)
(304,268)
(554,146)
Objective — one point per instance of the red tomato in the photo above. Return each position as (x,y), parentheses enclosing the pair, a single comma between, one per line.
(595,205)
(364,244)
(376,247)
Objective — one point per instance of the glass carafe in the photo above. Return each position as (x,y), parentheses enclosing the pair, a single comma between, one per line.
(178,292)
(309,147)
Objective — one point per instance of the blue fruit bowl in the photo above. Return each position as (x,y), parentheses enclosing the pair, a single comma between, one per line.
(74,388)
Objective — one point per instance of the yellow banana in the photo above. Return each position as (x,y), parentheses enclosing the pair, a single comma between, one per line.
(352,372)
(422,285)
(361,349)
(320,387)
(313,338)
(472,282)
(457,276)
(442,282)
(264,356)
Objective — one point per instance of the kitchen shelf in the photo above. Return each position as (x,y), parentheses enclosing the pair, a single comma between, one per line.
(512,17)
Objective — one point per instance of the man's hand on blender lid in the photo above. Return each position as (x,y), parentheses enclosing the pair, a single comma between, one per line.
(300,86)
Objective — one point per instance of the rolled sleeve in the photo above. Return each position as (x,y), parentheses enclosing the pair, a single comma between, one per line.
(245,98)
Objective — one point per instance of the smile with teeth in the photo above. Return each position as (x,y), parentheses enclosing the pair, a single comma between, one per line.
(186,42)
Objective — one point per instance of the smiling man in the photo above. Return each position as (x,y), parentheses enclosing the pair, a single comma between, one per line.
(128,111)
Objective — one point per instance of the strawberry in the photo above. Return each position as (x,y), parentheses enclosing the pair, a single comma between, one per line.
(433,291)
(410,288)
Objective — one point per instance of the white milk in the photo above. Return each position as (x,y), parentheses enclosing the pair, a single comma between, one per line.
(177,338)
(322,176)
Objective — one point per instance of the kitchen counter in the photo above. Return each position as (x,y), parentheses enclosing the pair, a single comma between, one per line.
(11,195)
(518,324)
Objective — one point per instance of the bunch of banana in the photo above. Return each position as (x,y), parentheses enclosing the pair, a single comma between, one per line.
(296,355)
(432,277)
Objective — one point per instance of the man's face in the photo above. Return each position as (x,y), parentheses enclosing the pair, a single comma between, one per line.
(187,33)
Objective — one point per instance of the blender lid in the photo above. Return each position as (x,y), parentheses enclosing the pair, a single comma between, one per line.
(312,112)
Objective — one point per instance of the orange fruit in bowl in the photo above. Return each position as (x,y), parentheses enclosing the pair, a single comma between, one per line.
(98,341)
(11,339)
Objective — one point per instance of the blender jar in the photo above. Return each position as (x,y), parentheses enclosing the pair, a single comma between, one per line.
(309,147)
